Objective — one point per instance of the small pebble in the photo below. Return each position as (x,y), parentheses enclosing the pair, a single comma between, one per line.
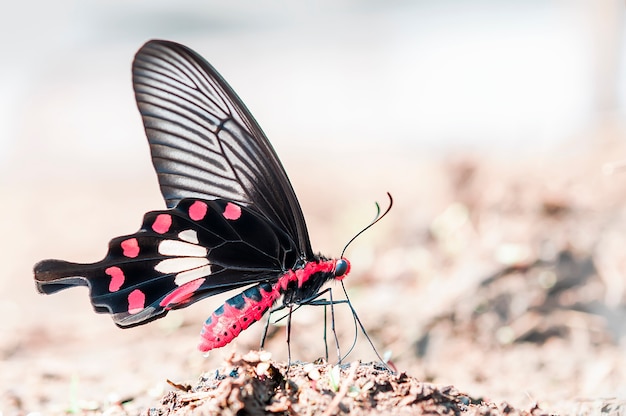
(312,372)
(261,369)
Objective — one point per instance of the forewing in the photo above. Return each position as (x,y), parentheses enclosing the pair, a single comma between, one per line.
(179,256)
(204,141)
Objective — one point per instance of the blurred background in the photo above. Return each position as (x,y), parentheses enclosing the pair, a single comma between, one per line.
(497,126)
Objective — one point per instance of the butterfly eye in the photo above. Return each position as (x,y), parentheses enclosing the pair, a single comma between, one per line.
(342,267)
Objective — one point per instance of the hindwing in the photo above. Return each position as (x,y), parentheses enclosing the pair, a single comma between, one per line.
(197,249)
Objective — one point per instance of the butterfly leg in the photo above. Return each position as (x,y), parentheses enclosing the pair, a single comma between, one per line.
(315,300)
(267,323)
(265,329)
(325,303)
(332,323)
(325,333)
(289,337)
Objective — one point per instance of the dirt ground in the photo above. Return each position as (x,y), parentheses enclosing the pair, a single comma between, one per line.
(495,286)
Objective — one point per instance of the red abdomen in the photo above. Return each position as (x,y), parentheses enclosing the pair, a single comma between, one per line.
(237,314)
(241,311)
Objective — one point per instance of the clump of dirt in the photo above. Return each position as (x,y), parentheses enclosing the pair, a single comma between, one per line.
(253,384)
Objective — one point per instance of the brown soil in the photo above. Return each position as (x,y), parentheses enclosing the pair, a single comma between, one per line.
(255,385)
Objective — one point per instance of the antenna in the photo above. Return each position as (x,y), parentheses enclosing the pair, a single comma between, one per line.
(377,218)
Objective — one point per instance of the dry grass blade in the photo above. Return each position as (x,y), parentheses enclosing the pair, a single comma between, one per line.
(343,390)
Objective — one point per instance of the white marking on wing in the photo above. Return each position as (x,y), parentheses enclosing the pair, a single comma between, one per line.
(181,264)
(181,249)
(189,235)
(190,275)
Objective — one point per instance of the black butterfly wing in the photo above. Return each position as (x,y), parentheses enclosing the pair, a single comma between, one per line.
(204,141)
(179,256)
(207,151)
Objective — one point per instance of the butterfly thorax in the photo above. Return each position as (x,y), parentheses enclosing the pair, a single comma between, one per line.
(303,283)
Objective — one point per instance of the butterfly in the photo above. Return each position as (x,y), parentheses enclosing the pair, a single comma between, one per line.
(232,217)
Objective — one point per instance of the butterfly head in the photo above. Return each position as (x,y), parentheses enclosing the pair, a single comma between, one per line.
(342,268)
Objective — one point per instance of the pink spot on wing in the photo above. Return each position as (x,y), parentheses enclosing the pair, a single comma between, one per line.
(136,301)
(130,247)
(117,278)
(162,223)
(197,210)
(232,211)
(182,293)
